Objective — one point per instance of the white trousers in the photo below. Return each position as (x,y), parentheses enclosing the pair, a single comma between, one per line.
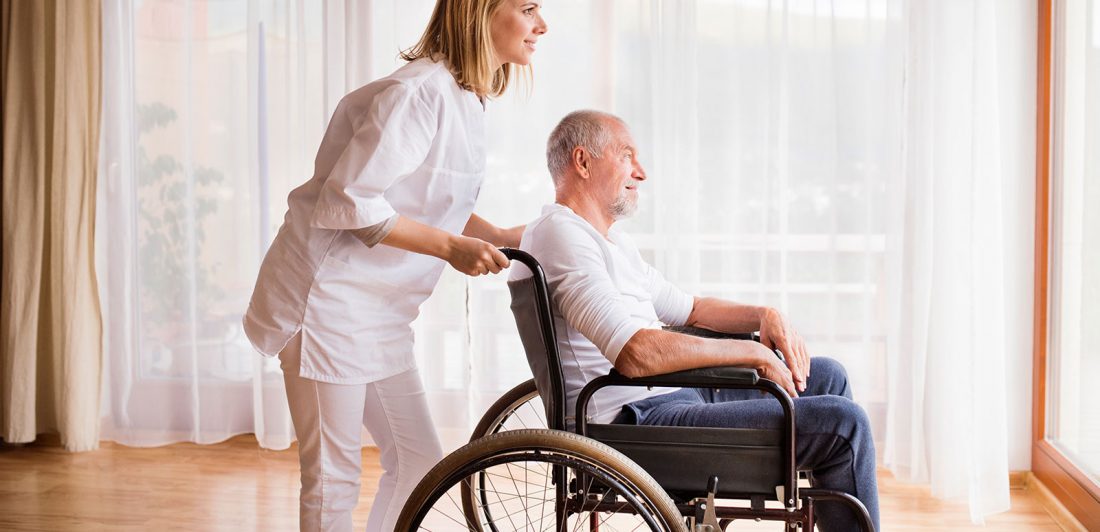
(327,419)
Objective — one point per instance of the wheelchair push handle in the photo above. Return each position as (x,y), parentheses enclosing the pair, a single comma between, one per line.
(522,256)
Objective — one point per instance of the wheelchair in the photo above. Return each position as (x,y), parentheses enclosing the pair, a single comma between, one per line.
(526,469)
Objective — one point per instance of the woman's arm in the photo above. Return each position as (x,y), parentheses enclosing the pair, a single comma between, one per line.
(478,227)
(470,256)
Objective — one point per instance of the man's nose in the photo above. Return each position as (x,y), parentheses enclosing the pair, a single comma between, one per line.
(639,172)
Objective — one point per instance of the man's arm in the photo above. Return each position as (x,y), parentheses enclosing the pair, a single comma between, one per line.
(591,302)
(775,330)
(725,316)
(655,352)
(478,227)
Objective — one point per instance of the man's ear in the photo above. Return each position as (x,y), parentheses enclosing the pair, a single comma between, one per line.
(580,161)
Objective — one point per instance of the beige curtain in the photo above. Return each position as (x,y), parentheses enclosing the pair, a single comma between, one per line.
(51,327)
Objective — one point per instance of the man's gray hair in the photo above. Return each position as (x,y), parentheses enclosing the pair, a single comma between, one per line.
(580,129)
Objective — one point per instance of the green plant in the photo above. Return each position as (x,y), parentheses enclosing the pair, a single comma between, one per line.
(167,213)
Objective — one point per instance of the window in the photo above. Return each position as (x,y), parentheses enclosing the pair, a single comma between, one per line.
(1067,449)
(1073,422)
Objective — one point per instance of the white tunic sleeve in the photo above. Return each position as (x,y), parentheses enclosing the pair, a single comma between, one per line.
(589,300)
(392,138)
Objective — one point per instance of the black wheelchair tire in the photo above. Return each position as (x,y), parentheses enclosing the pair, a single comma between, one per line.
(647,498)
(491,423)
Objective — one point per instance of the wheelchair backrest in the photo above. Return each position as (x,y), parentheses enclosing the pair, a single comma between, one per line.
(535,321)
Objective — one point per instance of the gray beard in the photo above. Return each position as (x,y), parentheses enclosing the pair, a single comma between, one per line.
(623,207)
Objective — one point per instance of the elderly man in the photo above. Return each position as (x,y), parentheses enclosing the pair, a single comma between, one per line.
(609,305)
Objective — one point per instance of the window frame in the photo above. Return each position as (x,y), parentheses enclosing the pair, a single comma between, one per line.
(1065,480)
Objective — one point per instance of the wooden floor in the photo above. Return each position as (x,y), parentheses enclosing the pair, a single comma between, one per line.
(238,486)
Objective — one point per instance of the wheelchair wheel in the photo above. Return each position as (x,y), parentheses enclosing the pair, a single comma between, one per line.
(539,479)
(518,408)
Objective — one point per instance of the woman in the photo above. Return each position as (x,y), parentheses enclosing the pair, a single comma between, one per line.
(396,178)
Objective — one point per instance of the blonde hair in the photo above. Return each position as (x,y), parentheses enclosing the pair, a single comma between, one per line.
(459,33)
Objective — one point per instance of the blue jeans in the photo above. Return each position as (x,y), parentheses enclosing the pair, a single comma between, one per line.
(833,436)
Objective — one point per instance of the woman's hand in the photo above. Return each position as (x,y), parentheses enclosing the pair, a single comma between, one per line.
(777,333)
(473,256)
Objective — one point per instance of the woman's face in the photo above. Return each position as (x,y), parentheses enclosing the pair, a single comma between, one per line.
(514,28)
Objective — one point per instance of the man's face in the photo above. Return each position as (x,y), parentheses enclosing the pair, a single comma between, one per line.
(617,173)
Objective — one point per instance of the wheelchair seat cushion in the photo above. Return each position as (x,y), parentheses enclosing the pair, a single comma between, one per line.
(747,462)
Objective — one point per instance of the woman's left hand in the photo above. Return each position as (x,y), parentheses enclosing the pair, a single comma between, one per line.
(776,332)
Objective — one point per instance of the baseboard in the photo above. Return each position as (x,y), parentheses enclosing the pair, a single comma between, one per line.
(1017,480)
(1050,503)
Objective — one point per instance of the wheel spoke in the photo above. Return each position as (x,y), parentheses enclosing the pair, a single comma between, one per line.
(508,483)
(509,515)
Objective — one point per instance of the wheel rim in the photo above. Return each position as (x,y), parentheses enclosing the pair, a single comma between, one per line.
(519,481)
(524,412)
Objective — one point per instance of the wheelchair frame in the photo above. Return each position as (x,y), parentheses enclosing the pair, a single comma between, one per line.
(699,510)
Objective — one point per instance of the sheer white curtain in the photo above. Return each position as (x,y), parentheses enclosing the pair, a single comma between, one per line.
(212,112)
(783,140)
(769,155)
(947,395)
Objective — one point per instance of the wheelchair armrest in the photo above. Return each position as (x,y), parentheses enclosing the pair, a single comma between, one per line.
(707,333)
(715,377)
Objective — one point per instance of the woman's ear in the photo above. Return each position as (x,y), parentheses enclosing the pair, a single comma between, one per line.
(581,161)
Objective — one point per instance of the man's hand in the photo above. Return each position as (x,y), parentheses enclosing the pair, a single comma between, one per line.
(473,256)
(776,332)
(771,368)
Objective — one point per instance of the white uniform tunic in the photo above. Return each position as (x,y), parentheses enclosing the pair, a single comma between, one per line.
(413,144)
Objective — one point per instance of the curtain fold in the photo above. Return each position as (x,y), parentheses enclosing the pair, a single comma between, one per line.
(947,424)
(50,330)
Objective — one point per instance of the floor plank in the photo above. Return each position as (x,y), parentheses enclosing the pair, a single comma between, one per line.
(235,485)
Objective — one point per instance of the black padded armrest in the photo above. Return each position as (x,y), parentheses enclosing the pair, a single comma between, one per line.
(707,333)
(692,378)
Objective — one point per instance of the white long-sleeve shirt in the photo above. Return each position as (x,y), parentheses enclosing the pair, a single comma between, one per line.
(602,294)
(412,143)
